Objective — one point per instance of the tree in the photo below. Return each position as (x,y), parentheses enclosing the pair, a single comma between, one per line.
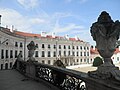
(97,61)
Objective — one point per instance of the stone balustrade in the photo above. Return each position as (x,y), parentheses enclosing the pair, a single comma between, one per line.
(65,79)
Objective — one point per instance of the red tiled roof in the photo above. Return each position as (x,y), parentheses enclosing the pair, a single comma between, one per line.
(49,36)
(27,34)
(95,51)
(117,51)
(72,39)
(92,51)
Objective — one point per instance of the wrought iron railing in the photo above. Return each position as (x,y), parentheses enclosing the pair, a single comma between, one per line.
(65,79)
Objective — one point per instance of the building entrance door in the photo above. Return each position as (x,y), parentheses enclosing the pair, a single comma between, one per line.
(6,66)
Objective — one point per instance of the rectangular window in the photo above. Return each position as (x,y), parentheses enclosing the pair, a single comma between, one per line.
(2,54)
(80,60)
(84,60)
(64,53)
(48,61)
(87,48)
(73,53)
(36,53)
(77,54)
(84,48)
(16,44)
(84,53)
(49,54)
(49,46)
(43,46)
(43,54)
(81,47)
(80,53)
(6,53)
(87,53)
(11,54)
(54,46)
(16,53)
(77,47)
(73,47)
(54,54)
(68,47)
(69,53)
(59,46)
(37,46)
(21,45)
(60,53)
(64,47)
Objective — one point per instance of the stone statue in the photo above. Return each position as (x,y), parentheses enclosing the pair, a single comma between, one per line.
(106,32)
(31,47)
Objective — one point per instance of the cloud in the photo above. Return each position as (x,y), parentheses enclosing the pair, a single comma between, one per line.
(38,21)
(28,3)
(44,22)
(69,27)
(20,22)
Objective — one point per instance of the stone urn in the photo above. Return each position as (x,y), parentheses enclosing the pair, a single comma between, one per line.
(106,33)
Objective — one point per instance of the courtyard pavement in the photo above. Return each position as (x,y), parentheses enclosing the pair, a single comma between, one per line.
(86,67)
(13,80)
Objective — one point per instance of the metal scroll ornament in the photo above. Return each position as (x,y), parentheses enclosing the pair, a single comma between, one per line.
(106,32)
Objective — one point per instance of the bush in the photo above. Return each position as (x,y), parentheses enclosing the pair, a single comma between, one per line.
(97,61)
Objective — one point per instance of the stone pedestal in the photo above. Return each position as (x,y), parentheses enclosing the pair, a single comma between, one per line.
(97,84)
(30,70)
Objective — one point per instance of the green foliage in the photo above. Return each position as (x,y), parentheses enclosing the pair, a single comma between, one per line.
(97,61)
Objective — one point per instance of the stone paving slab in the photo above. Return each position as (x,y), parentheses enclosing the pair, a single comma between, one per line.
(13,80)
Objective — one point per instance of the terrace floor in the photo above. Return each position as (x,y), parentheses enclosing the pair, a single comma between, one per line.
(13,80)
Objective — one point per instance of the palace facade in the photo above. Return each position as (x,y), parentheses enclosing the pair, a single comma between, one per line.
(72,51)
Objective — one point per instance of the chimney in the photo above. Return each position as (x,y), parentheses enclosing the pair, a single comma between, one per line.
(6,26)
(43,34)
(53,35)
(67,36)
(12,27)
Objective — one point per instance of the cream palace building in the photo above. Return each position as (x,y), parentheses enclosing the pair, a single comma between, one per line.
(72,51)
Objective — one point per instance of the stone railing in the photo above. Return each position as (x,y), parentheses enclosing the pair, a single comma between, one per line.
(65,79)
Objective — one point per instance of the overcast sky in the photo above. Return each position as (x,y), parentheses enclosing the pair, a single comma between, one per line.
(71,17)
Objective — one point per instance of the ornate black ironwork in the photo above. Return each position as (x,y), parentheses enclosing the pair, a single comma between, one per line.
(63,78)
